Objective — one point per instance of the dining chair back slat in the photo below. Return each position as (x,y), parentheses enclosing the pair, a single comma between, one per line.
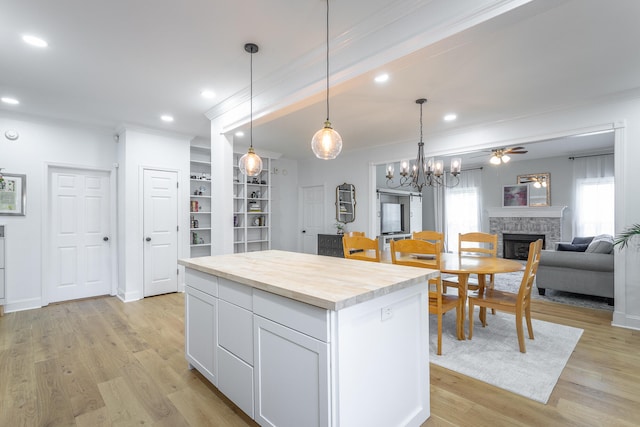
(361,248)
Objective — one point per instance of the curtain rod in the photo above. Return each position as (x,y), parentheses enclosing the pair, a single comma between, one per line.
(590,155)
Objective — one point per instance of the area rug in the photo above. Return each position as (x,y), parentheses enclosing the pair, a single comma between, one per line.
(493,356)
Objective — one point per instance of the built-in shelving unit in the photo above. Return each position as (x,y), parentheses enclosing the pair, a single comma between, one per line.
(200,201)
(251,208)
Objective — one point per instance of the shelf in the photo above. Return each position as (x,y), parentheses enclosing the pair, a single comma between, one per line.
(200,162)
(257,241)
(257,227)
(199,180)
(201,213)
(200,245)
(200,228)
(258,213)
(200,197)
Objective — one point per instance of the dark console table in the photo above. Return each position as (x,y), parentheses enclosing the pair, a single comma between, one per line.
(330,245)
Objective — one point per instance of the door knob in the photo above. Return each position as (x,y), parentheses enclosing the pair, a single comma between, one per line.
(304,231)
(148,239)
(105,238)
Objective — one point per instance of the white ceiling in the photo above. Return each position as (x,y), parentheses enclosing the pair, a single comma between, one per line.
(126,62)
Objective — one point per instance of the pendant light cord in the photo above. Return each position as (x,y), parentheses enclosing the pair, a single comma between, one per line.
(420,122)
(251,101)
(327,60)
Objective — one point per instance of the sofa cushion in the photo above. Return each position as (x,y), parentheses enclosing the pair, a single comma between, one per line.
(577,260)
(602,244)
(571,247)
(582,240)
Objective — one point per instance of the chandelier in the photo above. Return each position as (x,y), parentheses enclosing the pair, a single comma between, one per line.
(424,172)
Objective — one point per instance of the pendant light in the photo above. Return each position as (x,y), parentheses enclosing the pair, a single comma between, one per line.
(251,164)
(327,143)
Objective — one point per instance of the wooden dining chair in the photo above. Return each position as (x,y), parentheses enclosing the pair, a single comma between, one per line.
(406,252)
(477,244)
(361,248)
(430,236)
(519,304)
(354,233)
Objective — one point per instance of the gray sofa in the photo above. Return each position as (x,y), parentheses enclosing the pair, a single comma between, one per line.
(574,269)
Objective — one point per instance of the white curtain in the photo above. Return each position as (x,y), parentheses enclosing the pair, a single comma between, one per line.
(593,179)
(463,207)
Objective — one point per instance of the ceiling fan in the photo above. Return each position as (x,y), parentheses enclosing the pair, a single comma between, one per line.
(501,155)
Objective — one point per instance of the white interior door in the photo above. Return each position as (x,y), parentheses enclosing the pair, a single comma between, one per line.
(80,231)
(312,217)
(160,218)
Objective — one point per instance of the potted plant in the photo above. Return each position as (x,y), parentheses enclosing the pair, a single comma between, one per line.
(625,236)
(339,227)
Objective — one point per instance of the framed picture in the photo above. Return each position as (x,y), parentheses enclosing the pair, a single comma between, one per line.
(515,196)
(13,194)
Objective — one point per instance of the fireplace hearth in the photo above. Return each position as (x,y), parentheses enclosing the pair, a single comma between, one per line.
(516,246)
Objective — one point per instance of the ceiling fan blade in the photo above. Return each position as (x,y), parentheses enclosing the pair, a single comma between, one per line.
(516,150)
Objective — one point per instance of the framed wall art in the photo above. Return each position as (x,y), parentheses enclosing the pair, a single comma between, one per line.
(13,194)
(515,196)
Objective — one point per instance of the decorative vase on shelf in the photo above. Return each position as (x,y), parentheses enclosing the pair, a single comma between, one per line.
(340,231)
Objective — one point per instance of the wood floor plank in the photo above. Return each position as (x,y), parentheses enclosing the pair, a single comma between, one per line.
(96,418)
(52,400)
(122,404)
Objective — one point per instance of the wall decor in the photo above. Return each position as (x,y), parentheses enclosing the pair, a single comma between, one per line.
(13,194)
(515,196)
(539,188)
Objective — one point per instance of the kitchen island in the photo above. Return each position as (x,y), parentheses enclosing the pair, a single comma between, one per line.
(305,340)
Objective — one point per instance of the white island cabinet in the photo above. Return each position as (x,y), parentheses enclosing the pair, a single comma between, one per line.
(305,340)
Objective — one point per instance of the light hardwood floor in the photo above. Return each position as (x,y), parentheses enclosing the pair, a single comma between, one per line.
(101,362)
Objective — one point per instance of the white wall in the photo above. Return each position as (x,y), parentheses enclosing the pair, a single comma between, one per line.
(139,150)
(41,142)
(284,202)
(356,168)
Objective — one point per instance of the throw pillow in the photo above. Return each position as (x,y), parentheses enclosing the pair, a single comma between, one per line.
(602,244)
(581,240)
(572,248)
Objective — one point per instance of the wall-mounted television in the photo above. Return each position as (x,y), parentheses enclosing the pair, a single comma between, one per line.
(391,218)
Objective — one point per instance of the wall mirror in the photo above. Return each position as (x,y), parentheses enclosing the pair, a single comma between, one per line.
(539,188)
(345,203)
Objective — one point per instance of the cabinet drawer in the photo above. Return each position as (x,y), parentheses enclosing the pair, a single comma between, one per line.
(235,330)
(202,281)
(305,318)
(236,293)
(235,380)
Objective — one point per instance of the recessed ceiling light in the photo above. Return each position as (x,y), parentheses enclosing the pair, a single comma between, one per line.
(8,100)
(166,118)
(382,78)
(34,41)
(240,133)
(450,117)
(207,94)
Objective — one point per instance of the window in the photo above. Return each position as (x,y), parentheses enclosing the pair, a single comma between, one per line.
(594,195)
(463,207)
(594,206)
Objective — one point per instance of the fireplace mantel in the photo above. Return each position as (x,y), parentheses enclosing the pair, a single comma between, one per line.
(527,212)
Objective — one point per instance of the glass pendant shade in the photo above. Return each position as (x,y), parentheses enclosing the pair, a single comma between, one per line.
(250,164)
(495,160)
(326,143)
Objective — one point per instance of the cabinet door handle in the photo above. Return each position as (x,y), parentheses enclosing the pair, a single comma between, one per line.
(105,238)
(148,239)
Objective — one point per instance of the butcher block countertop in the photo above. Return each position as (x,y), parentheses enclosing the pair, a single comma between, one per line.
(326,282)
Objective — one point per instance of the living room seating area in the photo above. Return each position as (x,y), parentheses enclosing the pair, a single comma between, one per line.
(584,266)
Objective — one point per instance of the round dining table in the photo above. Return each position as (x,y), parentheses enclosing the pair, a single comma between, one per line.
(463,266)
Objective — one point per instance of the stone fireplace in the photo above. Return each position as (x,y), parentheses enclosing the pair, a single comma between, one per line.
(545,221)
